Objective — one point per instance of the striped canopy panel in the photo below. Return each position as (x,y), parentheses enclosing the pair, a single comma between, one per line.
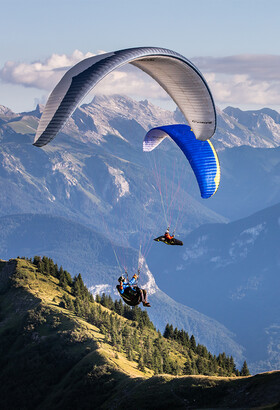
(176,74)
(200,154)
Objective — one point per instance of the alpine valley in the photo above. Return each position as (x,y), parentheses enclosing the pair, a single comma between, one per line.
(92,194)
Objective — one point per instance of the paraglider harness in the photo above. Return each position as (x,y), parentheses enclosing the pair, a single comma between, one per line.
(132,293)
(169,240)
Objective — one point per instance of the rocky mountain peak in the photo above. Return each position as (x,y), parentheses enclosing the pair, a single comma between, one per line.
(262,127)
(125,117)
(5,110)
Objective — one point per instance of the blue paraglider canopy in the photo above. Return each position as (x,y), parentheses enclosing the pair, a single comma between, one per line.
(200,154)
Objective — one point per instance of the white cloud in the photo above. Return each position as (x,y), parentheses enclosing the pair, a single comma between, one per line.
(238,90)
(42,75)
(257,66)
(45,75)
(130,81)
(241,80)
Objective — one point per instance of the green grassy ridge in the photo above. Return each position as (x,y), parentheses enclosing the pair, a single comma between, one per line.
(137,339)
(52,359)
(204,392)
(46,350)
(152,351)
(148,348)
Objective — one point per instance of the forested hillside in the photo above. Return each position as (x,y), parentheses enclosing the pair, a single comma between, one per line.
(59,345)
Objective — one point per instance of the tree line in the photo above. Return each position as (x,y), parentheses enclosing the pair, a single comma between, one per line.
(174,352)
(212,362)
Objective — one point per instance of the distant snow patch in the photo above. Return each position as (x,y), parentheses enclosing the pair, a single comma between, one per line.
(12,164)
(150,285)
(273,347)
(68,168)
(197,250)
(120,182)
(253,283)
(247,238)
(254,232)
(99,289)
(215,259)
(227,121)
(51,197)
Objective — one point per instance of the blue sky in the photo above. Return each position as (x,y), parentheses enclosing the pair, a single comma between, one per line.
(235,43)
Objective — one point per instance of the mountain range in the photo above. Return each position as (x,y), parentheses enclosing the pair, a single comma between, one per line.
(95,174)
(231,271)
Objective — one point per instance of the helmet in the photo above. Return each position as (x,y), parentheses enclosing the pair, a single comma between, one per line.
(121,279)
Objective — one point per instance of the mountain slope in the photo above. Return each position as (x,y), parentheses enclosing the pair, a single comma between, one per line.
(230,272)
(97,170)
(51,358)
(103,141)
(263,125)
(80,249)
(258,129)
(249,181)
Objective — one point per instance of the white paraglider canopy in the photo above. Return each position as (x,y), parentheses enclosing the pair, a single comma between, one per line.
(176,75)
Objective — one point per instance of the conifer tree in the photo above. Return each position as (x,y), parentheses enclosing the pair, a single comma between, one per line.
(52,267)
(36,260)
(60,272)
(40,267)
(97,298)
(46,265)
(141,365)
(130,354)
(167,332)
(200,365)
(63,281)
(78,286)
(68,277)
(188,368)
(118,307)
(244,370)
(193,343)
(55,270)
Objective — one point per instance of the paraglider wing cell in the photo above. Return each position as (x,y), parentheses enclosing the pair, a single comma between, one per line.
(200,154)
